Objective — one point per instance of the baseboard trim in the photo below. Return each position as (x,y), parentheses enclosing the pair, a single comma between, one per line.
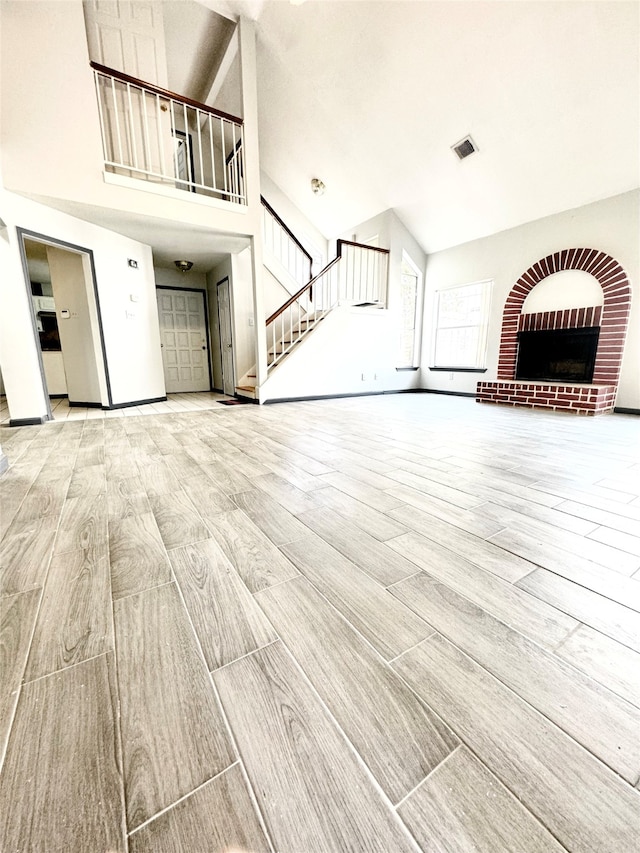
(450,393)
(341,396)
(80,405)
(58,396)
(133,403)
(623,410)
(18,422)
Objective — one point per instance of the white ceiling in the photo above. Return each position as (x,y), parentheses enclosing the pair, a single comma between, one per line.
(369,97)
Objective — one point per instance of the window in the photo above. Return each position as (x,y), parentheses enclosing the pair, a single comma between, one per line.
(409,297)
(461,325)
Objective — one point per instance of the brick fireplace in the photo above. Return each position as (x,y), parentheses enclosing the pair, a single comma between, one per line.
(611,318)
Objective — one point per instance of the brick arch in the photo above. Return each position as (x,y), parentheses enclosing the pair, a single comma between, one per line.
(615,312)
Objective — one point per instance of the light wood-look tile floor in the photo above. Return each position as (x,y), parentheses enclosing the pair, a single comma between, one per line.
(394,623)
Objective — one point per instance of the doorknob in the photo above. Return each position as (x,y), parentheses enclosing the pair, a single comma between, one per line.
(203,347)
(228,346)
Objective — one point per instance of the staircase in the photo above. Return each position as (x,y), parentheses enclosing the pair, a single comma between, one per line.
(356,276)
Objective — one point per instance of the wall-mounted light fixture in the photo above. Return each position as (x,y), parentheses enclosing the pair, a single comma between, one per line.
(317,186)
(184,266)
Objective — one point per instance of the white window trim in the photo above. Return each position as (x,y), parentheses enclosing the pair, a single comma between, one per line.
(418,323)
(483,338)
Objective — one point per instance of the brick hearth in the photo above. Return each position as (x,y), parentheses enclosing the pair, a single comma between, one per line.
(579,399)
(612,318)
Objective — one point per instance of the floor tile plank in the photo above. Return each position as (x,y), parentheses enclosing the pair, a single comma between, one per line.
(585,805)
(255,558)
(25,552)
(380,562)
(83,524)
(487,555)
(75,619)
(177,519)
(273,519)
(605,660)
(17,619)
(535,619)
(219,816)
(84,809)
(373,522)
(389,626)
(399,739)
(138,556)
(173,733)
(613,619)
(226,618)
(375,498)
(591,714)
(418,505)
(463,808)
(314,794)
(607,582)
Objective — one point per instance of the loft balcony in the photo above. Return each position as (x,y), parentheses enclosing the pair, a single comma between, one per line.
(157,136)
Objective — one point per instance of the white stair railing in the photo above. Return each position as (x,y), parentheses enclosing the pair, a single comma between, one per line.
(155,135)
(282,244)
(365,270)
(354,277)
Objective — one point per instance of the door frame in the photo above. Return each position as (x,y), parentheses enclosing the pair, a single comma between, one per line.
(25,233)
(206,323)
(226,279)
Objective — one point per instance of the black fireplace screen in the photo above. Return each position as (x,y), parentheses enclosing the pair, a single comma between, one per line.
(560,355)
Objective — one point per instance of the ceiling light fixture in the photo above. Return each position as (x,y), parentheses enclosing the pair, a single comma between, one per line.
(317,187)
(184,266)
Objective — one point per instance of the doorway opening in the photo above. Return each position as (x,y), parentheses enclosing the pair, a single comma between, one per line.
(60,281)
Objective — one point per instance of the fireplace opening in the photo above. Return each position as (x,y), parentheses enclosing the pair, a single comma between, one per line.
(558,355)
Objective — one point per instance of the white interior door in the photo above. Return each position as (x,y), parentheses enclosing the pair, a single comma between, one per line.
(128,36)
(226,337)
(183,333)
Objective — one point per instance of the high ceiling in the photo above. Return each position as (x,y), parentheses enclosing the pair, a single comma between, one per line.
(369,97)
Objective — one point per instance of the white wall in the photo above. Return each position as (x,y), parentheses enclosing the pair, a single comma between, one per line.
(312,239)
(174,278)
(611,226)
(351,351)
(127,301)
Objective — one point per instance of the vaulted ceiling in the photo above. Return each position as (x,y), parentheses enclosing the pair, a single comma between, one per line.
(369,97)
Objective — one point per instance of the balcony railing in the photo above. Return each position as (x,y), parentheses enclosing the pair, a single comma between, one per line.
(156,135)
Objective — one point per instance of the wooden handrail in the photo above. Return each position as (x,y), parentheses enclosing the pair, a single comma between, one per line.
(310,284)
(342,243)
(164,93)
(297,295)
(286,229)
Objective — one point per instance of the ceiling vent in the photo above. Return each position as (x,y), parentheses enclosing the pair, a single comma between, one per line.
(465,147)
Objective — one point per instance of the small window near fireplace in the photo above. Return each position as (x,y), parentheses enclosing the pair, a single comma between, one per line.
(558,355)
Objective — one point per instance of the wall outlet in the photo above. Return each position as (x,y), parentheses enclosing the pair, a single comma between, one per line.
(251,321)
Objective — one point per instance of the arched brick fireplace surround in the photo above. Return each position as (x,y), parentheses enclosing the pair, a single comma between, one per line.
(596,397)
